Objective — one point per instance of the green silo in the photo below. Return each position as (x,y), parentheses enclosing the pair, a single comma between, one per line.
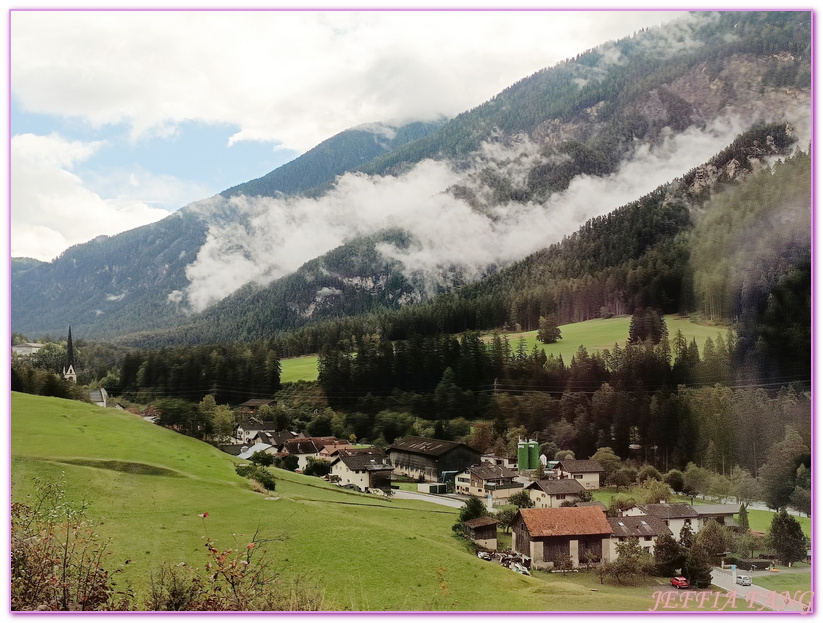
(522,455)
(534,454)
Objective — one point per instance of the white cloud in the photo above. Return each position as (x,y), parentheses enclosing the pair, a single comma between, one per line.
(294,77)
(449,237)
(51,208)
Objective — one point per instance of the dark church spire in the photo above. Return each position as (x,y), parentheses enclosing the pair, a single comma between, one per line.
(69,352)
(69,372)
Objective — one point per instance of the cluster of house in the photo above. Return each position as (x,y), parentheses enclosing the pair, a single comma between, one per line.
(585,534)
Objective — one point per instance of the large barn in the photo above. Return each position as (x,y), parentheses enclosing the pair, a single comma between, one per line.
(428,458)
(551,535)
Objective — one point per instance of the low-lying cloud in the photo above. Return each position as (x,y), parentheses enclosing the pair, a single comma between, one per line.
(273,237)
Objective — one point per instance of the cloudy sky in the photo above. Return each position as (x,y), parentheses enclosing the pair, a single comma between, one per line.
(119,117)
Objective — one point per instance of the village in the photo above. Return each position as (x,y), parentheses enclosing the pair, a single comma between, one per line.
(557,527)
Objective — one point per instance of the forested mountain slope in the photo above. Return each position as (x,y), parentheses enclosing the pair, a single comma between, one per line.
(333,157)
(637,255)
(499,182)
(129,282)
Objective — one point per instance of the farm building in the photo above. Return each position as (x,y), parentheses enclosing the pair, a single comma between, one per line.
(483,531)
(721,513)
(418,457)
(550,536)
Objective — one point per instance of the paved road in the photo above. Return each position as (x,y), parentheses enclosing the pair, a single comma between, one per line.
(756,506)
(768,599)
(427,497)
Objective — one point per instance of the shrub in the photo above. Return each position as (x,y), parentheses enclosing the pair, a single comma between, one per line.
(317,467)
(262,458)
(57,557)
(257,473)
(238,579)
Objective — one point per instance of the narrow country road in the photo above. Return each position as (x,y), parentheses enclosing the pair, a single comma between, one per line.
(427,497)
(768,599)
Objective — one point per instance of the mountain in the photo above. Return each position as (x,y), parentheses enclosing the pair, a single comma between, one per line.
(642,254)
(126,283)
(504,180)
(343,152)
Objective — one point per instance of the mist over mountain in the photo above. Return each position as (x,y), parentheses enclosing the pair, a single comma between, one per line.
(383,217)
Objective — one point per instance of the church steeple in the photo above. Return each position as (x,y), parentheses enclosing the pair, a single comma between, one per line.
(68,372)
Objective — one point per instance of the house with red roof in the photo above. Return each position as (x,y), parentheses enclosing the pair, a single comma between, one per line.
(550,536)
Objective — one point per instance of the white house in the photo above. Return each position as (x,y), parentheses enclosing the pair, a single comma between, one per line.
(586,471)
(366,468)
(645,528)
(28,348)
(552,493)
(675,516)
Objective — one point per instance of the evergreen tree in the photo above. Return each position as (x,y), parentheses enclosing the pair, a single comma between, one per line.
(786,538)
(698,566)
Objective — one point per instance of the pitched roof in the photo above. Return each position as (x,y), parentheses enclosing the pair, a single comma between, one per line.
(716,509)
(363,459)
(565,521)
(567,486)
(274,437)
(258,446)
(302,446)
(257,402)
(669,511)
(487,471)
(426,446)
(647,525)
(595,504)
(580,466)
(479,522)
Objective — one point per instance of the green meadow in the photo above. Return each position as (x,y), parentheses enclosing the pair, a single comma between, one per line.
(596,335)
(603,333)
(298,369)
(149,487)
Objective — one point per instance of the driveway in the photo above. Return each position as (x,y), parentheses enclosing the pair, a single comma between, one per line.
(768,599)
(427,497)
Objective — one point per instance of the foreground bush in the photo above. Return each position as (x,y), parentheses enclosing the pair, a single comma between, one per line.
(57,558)
(57,565)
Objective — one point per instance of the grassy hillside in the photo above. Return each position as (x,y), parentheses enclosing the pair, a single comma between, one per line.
(595,335)
(150,484)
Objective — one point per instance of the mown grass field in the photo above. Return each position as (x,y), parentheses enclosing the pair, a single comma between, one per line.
(149,485)
(786,580)
(596,335)
(298,369)
(603,333)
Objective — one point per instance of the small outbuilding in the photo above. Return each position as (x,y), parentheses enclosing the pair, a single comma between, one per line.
(483,531)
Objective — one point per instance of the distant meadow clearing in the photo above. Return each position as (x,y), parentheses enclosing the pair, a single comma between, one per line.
(596,335)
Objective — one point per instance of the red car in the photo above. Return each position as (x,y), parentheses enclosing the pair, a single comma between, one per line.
(680,582)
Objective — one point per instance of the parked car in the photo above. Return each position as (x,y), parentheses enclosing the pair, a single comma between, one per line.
(680,582)
(744,580)
(484,555)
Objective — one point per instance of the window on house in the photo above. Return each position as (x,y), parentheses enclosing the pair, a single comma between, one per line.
(579,476)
